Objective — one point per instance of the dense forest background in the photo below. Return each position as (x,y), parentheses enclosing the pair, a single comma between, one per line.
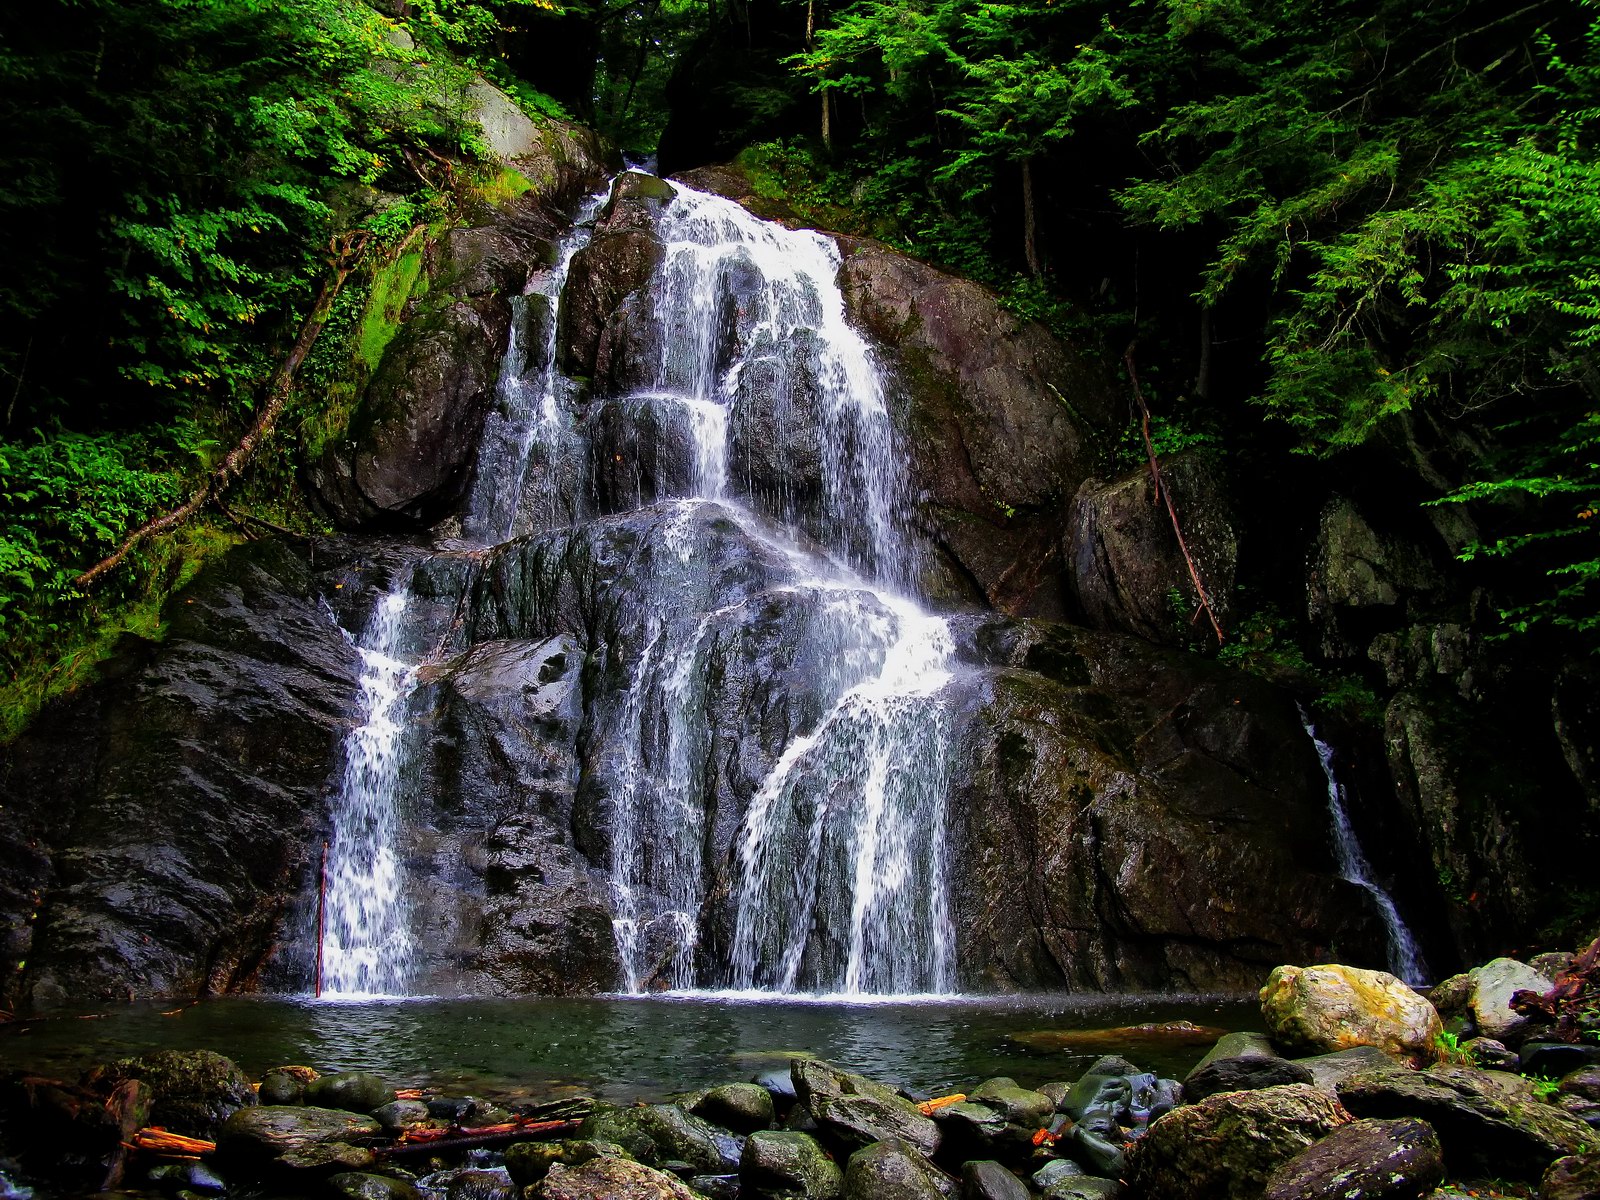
(1347,240)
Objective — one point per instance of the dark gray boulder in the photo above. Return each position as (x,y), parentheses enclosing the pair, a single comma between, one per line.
(1377,1160)
(1484,1124)
(1242,1074)
(788,1165)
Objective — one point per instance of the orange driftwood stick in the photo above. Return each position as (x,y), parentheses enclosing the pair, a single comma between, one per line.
(929,1107)
(159,1140)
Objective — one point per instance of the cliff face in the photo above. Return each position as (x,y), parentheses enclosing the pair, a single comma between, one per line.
(1120,813)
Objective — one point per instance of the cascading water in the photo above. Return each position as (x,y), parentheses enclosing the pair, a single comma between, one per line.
(841,852)
(1405,958)
(528,421)
(781,426)
(366,936)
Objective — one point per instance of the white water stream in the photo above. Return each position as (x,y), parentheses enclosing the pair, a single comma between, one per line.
(1405,958)
(366,935)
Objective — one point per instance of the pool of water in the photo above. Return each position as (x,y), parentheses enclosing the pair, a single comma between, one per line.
(625,1048)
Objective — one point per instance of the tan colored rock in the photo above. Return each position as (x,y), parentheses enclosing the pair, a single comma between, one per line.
(1332,1007)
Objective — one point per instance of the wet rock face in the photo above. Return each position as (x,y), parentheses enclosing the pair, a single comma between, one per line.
(173,806)
(514,907)
(1133,818)
(1004,424)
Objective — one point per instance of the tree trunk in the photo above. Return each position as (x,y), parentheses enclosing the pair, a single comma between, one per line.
(1202,375)
(1030,245)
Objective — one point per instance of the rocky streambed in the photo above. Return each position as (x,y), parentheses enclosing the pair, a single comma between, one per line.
(1358,1089)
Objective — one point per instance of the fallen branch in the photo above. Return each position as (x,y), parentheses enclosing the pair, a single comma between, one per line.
(418,1141)
(344,252)
(1164,493)
(929,1107)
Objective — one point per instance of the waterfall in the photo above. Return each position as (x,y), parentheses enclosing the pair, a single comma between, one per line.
(366,937)
(769,413)
(841,855)
(1405,958)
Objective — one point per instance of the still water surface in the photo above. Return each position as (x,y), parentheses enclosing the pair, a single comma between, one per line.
(623,1048)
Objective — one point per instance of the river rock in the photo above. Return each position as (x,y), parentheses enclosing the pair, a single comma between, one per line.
(1376,1160)
(355,1091)
(192,1092)
(609,1179)
(1124,558)
(476,1184)
(678,1135)
(358,1186)
(1242,1074)
(1333,1007)
(1019,1105)
(1489,1122)
(861,1120)
(1576,1177)
(1228,1146)
(815,1079)
(1555,1058)
(782,1164)
(1489,1054)
(1057,1170)
(529,1162)
(741,1107)
(281,1087)
(895,1170)
(272,1131)
(623,1126)
(1494,984)
(1584,1083)
(398,1114)
(985,1179)
(1084,1187)
(969,1130)
(1239,1045)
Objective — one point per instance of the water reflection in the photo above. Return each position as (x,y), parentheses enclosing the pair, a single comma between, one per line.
(632,1047)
